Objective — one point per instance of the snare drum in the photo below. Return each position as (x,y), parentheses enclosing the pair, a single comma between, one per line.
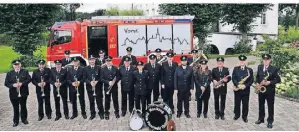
(157,115)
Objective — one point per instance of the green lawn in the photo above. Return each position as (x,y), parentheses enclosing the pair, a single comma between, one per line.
(7,55)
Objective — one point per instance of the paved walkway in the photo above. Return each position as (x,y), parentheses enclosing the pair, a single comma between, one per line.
(286,115)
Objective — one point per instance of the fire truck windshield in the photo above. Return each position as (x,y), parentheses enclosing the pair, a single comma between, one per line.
(61,37)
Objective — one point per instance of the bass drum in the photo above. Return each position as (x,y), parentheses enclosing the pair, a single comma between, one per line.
(157,116)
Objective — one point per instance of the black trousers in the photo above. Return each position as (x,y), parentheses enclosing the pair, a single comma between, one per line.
(98,99)
(203,99)
(168,96)
(140,99)
(219,97)
(81,99)
(114,94)
(63,96)
(41,101)
(124,100)
(244,98)
(183,97)
(156,94)
(270,101)
(16,103)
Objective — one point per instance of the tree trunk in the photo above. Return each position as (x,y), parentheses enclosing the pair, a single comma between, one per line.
(244,36)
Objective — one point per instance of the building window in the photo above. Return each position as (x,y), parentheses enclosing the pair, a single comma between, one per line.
(263,18)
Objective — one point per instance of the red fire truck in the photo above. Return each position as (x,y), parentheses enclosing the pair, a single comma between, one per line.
(114,34)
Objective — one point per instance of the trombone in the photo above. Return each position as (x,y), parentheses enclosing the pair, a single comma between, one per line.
(42,86)
(58,86)
(260,88)
(18,87)
(76,85)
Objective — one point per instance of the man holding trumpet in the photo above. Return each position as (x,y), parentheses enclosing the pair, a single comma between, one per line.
(267,76)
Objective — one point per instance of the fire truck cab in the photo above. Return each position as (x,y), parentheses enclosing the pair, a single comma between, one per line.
(114,34)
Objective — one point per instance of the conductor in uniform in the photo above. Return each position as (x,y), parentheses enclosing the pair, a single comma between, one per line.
(140,86)
(110,77)
(154,71)
(220,73)
(183,84)
(127,86)
(264,70)
(167,79)
(93,81)
(129,54)
(242,92)
(41,78)
(59,80)
(17,81)
(101,60)
(76,79)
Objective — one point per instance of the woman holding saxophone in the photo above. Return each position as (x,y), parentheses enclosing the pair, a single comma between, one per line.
(242,78)
(202,79)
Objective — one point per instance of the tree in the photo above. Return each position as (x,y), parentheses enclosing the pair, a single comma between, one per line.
(242,16)
(290,9)
(25,23)
(118,12)
(85,15)
(205,16)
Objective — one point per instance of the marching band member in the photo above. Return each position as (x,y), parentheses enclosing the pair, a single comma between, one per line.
(189,61)
(110,77)
(167,79)
(158,54)
(202,80)
(129,54)
(76,82)
(94,88)
(245,75)
(141,86)
(59,80)
(101,60)
(127,86)
(220,73)
(17,81)
(65,61)
(269,83)
(41,79)
(154,71)
(183,84)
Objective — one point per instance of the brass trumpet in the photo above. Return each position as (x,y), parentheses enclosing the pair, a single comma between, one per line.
(42,86)
(93,87)
(76,85)
(110,87)
(18,88)
(241,85)
(260,88)
(58,87)
(164,59)
(220,83)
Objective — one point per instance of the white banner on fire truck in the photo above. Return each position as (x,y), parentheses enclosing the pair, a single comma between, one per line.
(159,36)
(132,36)
(181,38)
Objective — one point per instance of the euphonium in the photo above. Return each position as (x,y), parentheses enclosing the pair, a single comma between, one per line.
(241,85)
(93,87)
(42,86)
(198,57)
(58,87)
(262,88)
(76,85)
(18,88)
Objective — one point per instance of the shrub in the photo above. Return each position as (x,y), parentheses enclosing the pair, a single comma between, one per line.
(242,47)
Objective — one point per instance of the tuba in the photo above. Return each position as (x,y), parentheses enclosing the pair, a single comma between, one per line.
(58,87)
(241,85)
(262,88)
(42,86)
(198,57)
(77,85)
(110,87)
(18,88)
(220,83)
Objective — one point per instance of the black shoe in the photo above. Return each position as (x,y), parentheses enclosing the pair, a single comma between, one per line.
(245,119)
(67,117)
(49,117)
(107,116)
(101,116)
(178,115)
(259,121)
(25,122)
(57,118)
(123,114)
(117,115)
(236,118)
(84,116)
(40,118)
(222,118)
(187,115)
(15,124)
(198,115)
(92,117)
(270,125)
(205,115)
(217,117)
(73,117)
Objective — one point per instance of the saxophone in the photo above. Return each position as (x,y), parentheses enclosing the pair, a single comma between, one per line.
(76,85)
(18,88)
(241,85)
(220,83)
(42,86)
(93,87)
(58,87)
(262,88)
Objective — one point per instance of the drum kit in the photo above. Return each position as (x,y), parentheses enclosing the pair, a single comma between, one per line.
(157,117)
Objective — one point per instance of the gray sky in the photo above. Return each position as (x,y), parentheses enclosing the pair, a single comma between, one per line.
(90,7)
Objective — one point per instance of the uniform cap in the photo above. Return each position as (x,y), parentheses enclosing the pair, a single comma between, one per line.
(140,63)
(129,49)
(242,58)
(152,56)
(67,52)
(158,50)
